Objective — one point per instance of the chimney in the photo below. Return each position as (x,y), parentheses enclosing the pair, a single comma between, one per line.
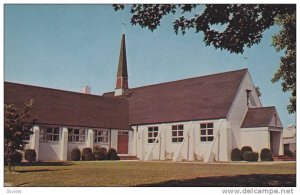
(86,90)
(122,76)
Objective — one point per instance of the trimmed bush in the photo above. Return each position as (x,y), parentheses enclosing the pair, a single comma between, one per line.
(244,149)
(112,154)
(288,153)
(250,156)
(89,157)
(100,153)
(266,155)
(30,155)
(236,155)
(75,154)
(87,154)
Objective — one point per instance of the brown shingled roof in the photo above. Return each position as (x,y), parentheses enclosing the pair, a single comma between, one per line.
(69,108)
(258,117)
(206,97)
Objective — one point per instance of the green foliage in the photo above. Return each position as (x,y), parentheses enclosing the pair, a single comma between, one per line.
(236,155)
(289,153)
(112,154)
(75,154)
(245,149)
(250,156)
(243,24)
(285,41)
(17,129)
(266,155)
(87,154)
(30,155)
(15,159)
(100,153)
(89,157)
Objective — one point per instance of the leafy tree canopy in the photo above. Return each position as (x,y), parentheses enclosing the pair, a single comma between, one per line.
(243,24)
(16,133)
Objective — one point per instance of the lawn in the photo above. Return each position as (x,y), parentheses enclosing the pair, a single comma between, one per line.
(138,173)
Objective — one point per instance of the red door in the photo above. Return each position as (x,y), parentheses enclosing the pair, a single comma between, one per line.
(122,142)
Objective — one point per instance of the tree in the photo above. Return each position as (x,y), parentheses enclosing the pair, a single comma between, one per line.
(243,24)
(286,41)
(16,133)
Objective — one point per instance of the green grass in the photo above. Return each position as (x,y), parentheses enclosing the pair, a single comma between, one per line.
(125,173)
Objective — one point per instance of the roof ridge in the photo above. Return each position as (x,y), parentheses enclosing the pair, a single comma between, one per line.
(151,85)
(61,90)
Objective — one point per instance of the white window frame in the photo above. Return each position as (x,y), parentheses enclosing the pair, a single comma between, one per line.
(207,132)
(47,136)
(74,137)
(177,133)
(101,134)
(152,134)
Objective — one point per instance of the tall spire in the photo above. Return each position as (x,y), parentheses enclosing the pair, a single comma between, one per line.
(122,75)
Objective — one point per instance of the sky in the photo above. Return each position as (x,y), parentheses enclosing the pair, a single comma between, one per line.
(70,46)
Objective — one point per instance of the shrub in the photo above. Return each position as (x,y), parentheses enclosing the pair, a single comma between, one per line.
(250,156)
(236,155)
(266,155)
(87,154)
(112,154)
(17,157)
(75,154)
(89,157)
(30,155)
(288,153)
(244,149)
(100,153)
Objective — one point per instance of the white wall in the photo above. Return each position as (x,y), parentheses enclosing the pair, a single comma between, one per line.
(114,139)
(191,149)
(257,138)
(239,109)
(49,151)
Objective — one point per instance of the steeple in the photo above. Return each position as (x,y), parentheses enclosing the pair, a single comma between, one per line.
(122,76)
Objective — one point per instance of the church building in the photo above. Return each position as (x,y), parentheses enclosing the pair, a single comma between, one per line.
(195,119)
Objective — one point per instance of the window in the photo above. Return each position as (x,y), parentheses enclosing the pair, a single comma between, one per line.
(206,132)
(49,134)
(177,133)
(152,134)
(100,136)
(76,135)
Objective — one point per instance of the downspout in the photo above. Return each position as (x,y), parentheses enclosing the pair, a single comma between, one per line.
(219,146)
(188,147)
(136,139)
(109,138)
(159,146)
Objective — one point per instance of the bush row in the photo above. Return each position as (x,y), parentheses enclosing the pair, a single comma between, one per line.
(16,157)
(247,154)
(98,153)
